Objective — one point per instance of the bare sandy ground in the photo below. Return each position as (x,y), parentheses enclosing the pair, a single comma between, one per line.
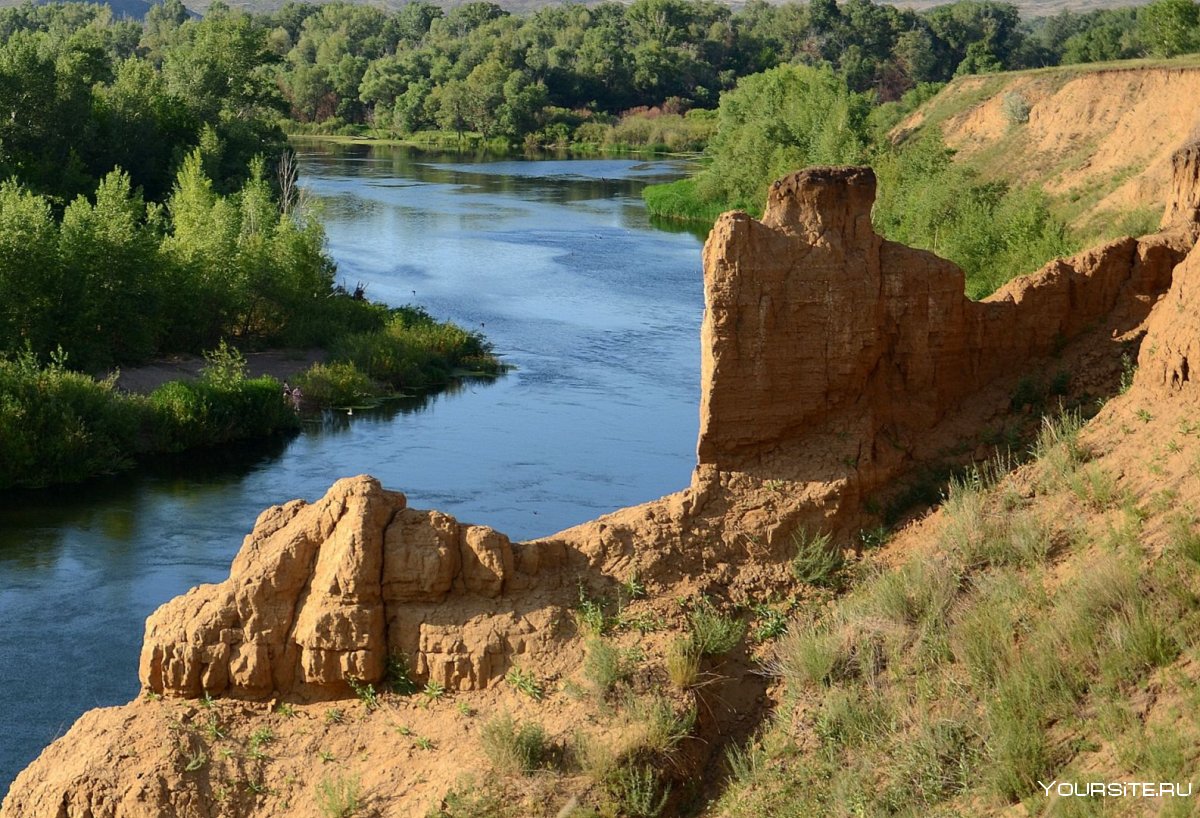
(278,363)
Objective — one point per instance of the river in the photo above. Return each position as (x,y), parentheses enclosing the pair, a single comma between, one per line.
(555,260)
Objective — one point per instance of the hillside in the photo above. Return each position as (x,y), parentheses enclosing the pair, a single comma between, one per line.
(1097,138)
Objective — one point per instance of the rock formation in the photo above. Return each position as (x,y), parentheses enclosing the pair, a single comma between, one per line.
(1167,362)
(816,326)
(1183,202)
(324,593)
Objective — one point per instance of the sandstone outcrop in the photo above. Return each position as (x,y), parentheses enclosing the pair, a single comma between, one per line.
(827,347)
(1169,356)
(324,593)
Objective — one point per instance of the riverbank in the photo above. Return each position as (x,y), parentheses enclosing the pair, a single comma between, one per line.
(280,364)
(476,143)
(61,426)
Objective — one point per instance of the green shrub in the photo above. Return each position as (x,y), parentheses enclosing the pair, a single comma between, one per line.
(197,413)
(338,797)
(637,790)
(413,351)
(817,561)
(336,384)
(993,232)
(58,426)
(605,665)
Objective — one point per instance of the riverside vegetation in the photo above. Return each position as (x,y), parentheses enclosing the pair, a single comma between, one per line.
(166,218)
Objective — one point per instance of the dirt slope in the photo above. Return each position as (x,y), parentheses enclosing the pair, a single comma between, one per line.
(1099,139)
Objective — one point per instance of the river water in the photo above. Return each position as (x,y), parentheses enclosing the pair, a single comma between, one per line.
(555,260)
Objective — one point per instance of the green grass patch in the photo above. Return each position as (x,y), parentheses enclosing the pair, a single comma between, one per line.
(680,200)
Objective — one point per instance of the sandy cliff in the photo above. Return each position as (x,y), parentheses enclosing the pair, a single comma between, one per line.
(1099,139)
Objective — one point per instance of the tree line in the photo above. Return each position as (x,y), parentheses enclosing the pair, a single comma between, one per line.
(552,74)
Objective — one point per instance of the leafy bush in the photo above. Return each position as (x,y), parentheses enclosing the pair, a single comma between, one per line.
(336,384)
(413,351)
(779,121)
(1015,107)
(187,414)
(58,426)
(989,230)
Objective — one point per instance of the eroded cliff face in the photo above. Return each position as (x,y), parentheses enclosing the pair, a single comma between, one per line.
(323,593)
(1100,137)
(832,362)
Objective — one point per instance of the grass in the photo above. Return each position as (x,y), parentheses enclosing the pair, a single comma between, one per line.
(339,797)
(680,200)
(1185,538)
(638,790)
(1020,641)
(683,664)
(714,633)
(512,748)
(658,725)
(605,666)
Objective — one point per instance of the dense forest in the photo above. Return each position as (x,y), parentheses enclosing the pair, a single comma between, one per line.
(149,204)
(565,72)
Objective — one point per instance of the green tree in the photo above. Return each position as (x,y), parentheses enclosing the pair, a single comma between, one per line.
(779,121)
(1169,27)
(109,301)
(30,274)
